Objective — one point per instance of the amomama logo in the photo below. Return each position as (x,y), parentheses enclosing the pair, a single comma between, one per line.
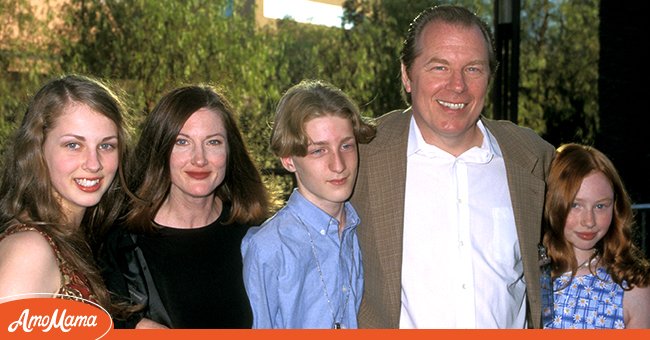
(47,317)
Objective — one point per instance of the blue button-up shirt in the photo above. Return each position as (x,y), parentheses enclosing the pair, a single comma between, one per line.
(281,268)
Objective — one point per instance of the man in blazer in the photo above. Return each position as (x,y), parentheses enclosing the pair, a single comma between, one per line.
(444,244)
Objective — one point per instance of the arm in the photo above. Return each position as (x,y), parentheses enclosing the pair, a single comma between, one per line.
(149,324)
(636,307)
(261,285)
(28,265)
(112,260)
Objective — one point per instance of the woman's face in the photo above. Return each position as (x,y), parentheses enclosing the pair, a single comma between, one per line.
(81,152)
(199,157)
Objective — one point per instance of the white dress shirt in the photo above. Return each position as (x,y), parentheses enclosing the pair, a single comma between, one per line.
(461,265)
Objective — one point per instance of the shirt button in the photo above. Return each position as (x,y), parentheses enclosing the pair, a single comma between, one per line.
(322,231)
(460,243)
(464,286)
(345,289)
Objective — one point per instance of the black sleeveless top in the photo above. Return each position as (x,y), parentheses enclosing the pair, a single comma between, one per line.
(184,278)
(198,275)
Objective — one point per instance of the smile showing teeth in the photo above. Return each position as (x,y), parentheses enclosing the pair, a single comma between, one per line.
(86,182)
(451,105)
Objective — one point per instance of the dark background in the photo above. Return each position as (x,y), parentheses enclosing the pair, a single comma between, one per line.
(623,99)
(624,92)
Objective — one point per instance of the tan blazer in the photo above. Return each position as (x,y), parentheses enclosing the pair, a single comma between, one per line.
(379,200)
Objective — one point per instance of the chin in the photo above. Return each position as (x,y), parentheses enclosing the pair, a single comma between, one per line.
(341,198)
(88,204)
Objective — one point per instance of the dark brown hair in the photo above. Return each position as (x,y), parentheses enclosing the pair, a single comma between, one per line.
(28,196)
(150,179)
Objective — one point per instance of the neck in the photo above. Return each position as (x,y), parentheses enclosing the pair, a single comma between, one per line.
(338,213)
(336,210)
(341,219)
(584,259)
(73,214)
(186,214)
(585,256)
(74,218)
(455,145)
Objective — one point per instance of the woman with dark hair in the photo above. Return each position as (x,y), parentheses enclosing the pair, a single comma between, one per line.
(59,191)
(600,278)
(197,192)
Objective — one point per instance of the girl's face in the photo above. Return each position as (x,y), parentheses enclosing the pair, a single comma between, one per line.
(81,152)
(590,215)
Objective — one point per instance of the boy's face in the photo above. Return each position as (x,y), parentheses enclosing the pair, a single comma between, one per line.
(326,175)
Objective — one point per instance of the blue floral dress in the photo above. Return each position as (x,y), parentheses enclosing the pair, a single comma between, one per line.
(587,302)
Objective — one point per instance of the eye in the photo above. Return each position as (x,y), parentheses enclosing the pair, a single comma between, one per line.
(181,141)
(72,146)
(439,68)
(475,71)
(349,146)
(603,205)
(575,205)
(317,152)
(107,146)
(215,142)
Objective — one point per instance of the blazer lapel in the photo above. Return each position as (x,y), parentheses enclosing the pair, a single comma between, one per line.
(383,178)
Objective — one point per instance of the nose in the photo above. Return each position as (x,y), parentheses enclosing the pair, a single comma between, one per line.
(337,162)
(93,162)
(198,156)
(588,218)
(457,82)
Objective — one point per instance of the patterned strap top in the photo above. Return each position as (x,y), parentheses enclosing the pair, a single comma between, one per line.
(74,285)
(589,301)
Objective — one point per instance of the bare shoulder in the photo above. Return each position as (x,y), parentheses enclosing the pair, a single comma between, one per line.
(30,244)
(636,307)
(28,264)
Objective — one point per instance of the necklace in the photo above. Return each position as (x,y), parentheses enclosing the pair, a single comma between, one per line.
(336,324)
(587,263)
(584,264)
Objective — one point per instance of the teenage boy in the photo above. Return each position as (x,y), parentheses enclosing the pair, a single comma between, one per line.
(302,267)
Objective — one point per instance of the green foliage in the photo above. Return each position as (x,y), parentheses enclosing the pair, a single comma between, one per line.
(373,46)
(147,47)
(558,94)
(22,56)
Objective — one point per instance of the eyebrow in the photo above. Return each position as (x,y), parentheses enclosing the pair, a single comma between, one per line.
(346,139)
(446,62)
(82,138)
(599,200)
(436,60)
(220,134)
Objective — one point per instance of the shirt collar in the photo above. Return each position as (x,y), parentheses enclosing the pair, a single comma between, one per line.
(484,154)
(318,220)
